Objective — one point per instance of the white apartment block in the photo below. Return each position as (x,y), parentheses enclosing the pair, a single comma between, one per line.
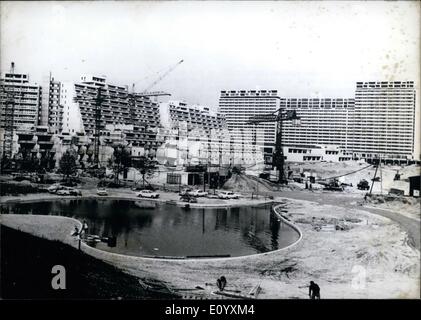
(71,115)
(215,148)
(323,122)
(173,113)
(55,111)
(239,105)
(384,120)
(315,153)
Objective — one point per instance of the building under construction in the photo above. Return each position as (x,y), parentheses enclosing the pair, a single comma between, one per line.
(20,105)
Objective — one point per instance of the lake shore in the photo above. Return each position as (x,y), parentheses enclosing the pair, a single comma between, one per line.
(369,245)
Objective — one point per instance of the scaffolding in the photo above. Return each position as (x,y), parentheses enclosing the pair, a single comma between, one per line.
(9,113)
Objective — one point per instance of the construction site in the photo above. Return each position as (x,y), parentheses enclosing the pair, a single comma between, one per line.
(193,174)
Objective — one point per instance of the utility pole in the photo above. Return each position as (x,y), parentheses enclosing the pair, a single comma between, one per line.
(381,175)
(374,178)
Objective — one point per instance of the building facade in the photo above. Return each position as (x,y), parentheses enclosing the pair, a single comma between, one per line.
(239,105)
(316,153)
(77,112)
(216,148)
(323,122)
(384,121)
(55,107)
(25,97)
(173,113)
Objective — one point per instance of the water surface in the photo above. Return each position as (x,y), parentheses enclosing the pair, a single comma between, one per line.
(168,230)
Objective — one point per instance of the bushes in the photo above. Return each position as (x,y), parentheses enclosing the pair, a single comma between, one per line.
(7,189)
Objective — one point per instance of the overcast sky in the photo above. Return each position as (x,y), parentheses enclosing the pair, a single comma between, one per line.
(302,49)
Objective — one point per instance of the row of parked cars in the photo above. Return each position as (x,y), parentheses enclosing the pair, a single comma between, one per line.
(188,195)
(200,193)
(63,190)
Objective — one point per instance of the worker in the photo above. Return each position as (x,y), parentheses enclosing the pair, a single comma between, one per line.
(221,283)
(75,232)
(314,291)
(84,229)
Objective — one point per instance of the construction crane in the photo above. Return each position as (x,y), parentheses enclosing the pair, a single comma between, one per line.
(162,76)
(146,93)
(279,117)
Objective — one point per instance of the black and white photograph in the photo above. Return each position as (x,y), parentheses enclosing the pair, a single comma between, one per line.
(225,151)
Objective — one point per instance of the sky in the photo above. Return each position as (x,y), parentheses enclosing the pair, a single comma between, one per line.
(302,49)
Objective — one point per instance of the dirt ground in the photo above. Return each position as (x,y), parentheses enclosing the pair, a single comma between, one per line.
(349,252)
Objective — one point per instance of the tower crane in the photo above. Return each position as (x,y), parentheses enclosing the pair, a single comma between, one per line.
(278,116)
(147,93)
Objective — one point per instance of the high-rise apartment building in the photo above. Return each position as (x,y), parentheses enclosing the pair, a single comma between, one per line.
(378,122)
(25,98)
(323,122)
(239,106)
(384,120)
(55,108)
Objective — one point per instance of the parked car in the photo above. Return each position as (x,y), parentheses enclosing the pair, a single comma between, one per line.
(148,194)
(227,195)
(141,187)
(55,188)
(63,192)
(212,196)
(185,191)
(188,198)
(75,192)
(198,193)
(102,192)
(67,191)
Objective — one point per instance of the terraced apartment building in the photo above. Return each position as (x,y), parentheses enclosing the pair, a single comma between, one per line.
(173,113)
(118,108)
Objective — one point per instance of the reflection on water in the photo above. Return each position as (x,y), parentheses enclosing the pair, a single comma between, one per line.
(168,230)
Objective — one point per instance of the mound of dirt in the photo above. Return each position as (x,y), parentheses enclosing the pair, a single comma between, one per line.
(377,198)
(247,184)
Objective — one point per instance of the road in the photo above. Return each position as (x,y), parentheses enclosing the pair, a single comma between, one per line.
(411,226)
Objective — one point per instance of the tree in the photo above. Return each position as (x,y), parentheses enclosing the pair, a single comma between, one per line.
(27,161)
(121,160)
(237,170)
(145,166)
(68,163)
